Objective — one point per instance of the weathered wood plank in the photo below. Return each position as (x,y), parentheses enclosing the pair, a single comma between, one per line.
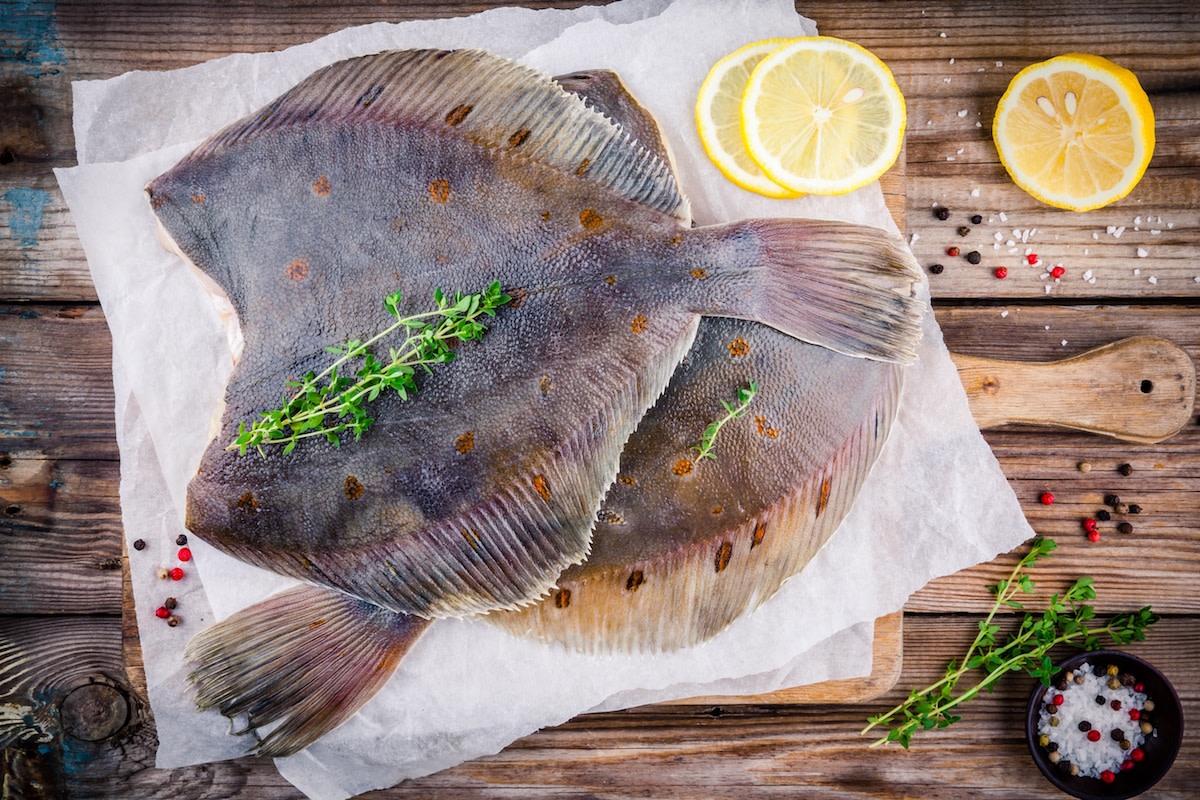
(683,751)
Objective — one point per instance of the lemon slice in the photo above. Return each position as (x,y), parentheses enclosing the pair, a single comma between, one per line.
(719,118)
(1076,131)
(822,115)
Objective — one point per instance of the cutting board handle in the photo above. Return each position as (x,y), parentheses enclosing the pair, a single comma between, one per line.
(1140,389)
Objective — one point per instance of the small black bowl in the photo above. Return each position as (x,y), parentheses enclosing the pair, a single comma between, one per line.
(1160,747)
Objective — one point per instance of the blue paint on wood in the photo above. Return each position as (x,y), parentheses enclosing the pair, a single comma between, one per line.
(28,36)
(25,218)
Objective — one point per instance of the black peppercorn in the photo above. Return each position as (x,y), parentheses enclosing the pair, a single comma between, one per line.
(181,539)
(1085,726)
(1100,700)
(1134,508)
(1125,469)
(963,230)
(1111,500)
(976,219)
(139,544)
(974,257)
(170,603)
(1118,735)
(1125,527)
(942,213)
(1103,515)
(936,269)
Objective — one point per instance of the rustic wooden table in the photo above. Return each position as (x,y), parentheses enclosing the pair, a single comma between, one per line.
(73,725)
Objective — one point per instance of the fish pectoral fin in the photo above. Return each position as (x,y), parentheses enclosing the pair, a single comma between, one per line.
(306,659)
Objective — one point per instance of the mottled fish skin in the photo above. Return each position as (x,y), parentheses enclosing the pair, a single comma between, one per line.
(684,546)
(309,214)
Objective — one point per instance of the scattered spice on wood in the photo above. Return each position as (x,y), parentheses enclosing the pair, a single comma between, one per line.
(976,219)
(1085,466)
(936,269)
(1001,273)
(1125,469)
(952,251)
(1125,527)
(942,213)
(974,257)
(963,230)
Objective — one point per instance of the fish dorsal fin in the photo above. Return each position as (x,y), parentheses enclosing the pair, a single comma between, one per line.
(489,100)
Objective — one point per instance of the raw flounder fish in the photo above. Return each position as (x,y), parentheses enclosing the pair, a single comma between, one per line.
(419,170)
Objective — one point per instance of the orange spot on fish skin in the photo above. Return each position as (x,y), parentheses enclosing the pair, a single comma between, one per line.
(198,198)
(628,480)
(247,502)
(764,430)
(518,138)
(353,488)
(639,324)
(717,511)
(541,486)
(157,201)
(676,240)
(760,530)
(457,114)
(518,296)
(635,580)
(562,598)
(471,537)
(465,443)
(609,517)
(439,190)
(545,384)
(583,167)
(370,96)
(297,270)
(739,347)
(823,499)
(611,280)
(545,216)
(724,553)
(321,186)
(699,274)
(589,219)
(316,623)
(682,467)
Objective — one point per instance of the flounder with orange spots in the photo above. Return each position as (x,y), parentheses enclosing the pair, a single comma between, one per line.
(485,492)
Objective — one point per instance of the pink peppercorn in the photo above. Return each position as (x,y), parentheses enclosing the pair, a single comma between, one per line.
(1126,764)
(1139,687)
(1108,776)
(176,574)
(1093,536)
(1093,735)
(1058,699)
(1001,273)
(1047,498)
(1031,259)
(952,251)
(185,554)
(1134,714)
(161,612)
(1089,524)
(1137,754)
(1057,272)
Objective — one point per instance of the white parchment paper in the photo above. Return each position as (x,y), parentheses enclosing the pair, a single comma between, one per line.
(936,502)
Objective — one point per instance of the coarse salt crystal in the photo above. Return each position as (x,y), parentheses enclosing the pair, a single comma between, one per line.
(960,150)
(1142,252)
(975,192)
(962,112)
(1136,272)
(1155,232)
(1087,275)
(946,80)
(949,158)
(1196,279)
(1003,217)
(952,61)
(1048,287)
(999,63)
(1063,342)
(942,35)
(1137,220)
(913,239)
(1152,279)
(1005,313)
(1096,236)
(998,236)
(1047,327)
(1116,230)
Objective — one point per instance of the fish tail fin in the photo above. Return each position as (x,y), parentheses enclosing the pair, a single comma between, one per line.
(306,658)
(849,288)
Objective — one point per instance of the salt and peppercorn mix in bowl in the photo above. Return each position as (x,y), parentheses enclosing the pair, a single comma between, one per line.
(1108,728)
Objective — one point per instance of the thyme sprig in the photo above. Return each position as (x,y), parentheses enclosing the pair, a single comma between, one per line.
(1066,620)
(708,440)
(332,401)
